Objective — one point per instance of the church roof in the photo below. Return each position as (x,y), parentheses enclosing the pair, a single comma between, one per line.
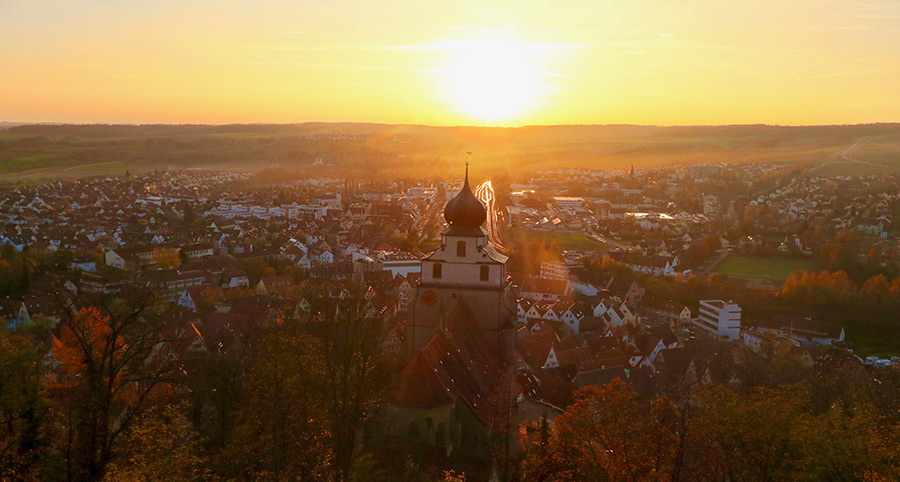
(458,362)
(419,385)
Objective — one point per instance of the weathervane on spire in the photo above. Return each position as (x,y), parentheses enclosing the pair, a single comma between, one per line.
(468,155)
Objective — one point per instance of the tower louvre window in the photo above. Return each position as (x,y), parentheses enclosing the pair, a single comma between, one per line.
(485,273)
(436,271)
(461,249)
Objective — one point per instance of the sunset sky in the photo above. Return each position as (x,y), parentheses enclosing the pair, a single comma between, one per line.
(461,62)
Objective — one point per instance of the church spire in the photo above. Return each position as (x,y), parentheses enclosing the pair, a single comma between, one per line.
(468,156)
(465,210)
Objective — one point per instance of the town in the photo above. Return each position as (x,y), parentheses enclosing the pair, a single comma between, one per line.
(682,276)
(407,241)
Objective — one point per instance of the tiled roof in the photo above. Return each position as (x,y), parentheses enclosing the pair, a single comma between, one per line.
(545,285)
(457,362)
(534,352)
(600,376)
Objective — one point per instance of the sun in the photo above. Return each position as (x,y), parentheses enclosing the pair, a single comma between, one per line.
(492,80)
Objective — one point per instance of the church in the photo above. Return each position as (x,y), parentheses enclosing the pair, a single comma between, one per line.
(460,337)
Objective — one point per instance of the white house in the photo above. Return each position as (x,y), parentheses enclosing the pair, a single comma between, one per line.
(117,260)
(804,331)
(523,305)
(572,317)
(536,311)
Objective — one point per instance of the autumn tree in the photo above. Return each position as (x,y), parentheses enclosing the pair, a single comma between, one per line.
(701,250)
(23,407)
(759,435)
(748,220)
(452,476)
(817,288)
(254,268)
(281,432)
(114,360)
(851,441)
(501,413)
(167,257)
(840,254)
(876,289)
(608,434)
(217,371)
(162,445)
(12,271)
(348,332)
(895,288)
(608,264)
(542,459)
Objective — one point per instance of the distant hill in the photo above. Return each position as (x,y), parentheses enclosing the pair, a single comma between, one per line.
(7,125)
(30,152)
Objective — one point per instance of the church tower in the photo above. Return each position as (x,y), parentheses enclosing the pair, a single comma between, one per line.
(466,266)
(460,338)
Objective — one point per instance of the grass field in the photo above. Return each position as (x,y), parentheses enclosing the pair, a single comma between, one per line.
(756,267)
(567,241)
(884,150)
(882,346)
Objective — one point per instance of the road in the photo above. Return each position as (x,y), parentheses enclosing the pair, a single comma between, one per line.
(432,216)
(485,192)
(844,155)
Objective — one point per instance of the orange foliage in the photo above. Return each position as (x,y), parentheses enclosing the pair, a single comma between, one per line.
(876,289)
(820,287)
(82,342)
(167,257)
(609,434)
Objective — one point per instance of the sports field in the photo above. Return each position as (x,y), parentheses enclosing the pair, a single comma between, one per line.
(758,267)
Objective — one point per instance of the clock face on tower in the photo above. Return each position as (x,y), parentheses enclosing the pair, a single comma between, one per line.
(429,298)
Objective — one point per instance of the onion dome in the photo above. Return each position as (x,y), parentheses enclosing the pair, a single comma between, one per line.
(465,210)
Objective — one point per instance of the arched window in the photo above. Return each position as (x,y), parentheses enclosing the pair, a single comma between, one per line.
(485,273)
(436,271)
(461,249)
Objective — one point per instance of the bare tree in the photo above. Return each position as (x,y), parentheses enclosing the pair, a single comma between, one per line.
(117,353)
(349,331)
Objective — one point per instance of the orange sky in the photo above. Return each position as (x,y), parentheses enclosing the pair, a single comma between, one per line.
(509,63)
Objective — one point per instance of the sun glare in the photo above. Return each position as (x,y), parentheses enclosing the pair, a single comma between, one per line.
(492,80)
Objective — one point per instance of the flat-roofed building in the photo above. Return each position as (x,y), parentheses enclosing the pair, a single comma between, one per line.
(721,319)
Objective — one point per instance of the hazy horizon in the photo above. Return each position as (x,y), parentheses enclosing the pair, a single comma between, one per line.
(399,124)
